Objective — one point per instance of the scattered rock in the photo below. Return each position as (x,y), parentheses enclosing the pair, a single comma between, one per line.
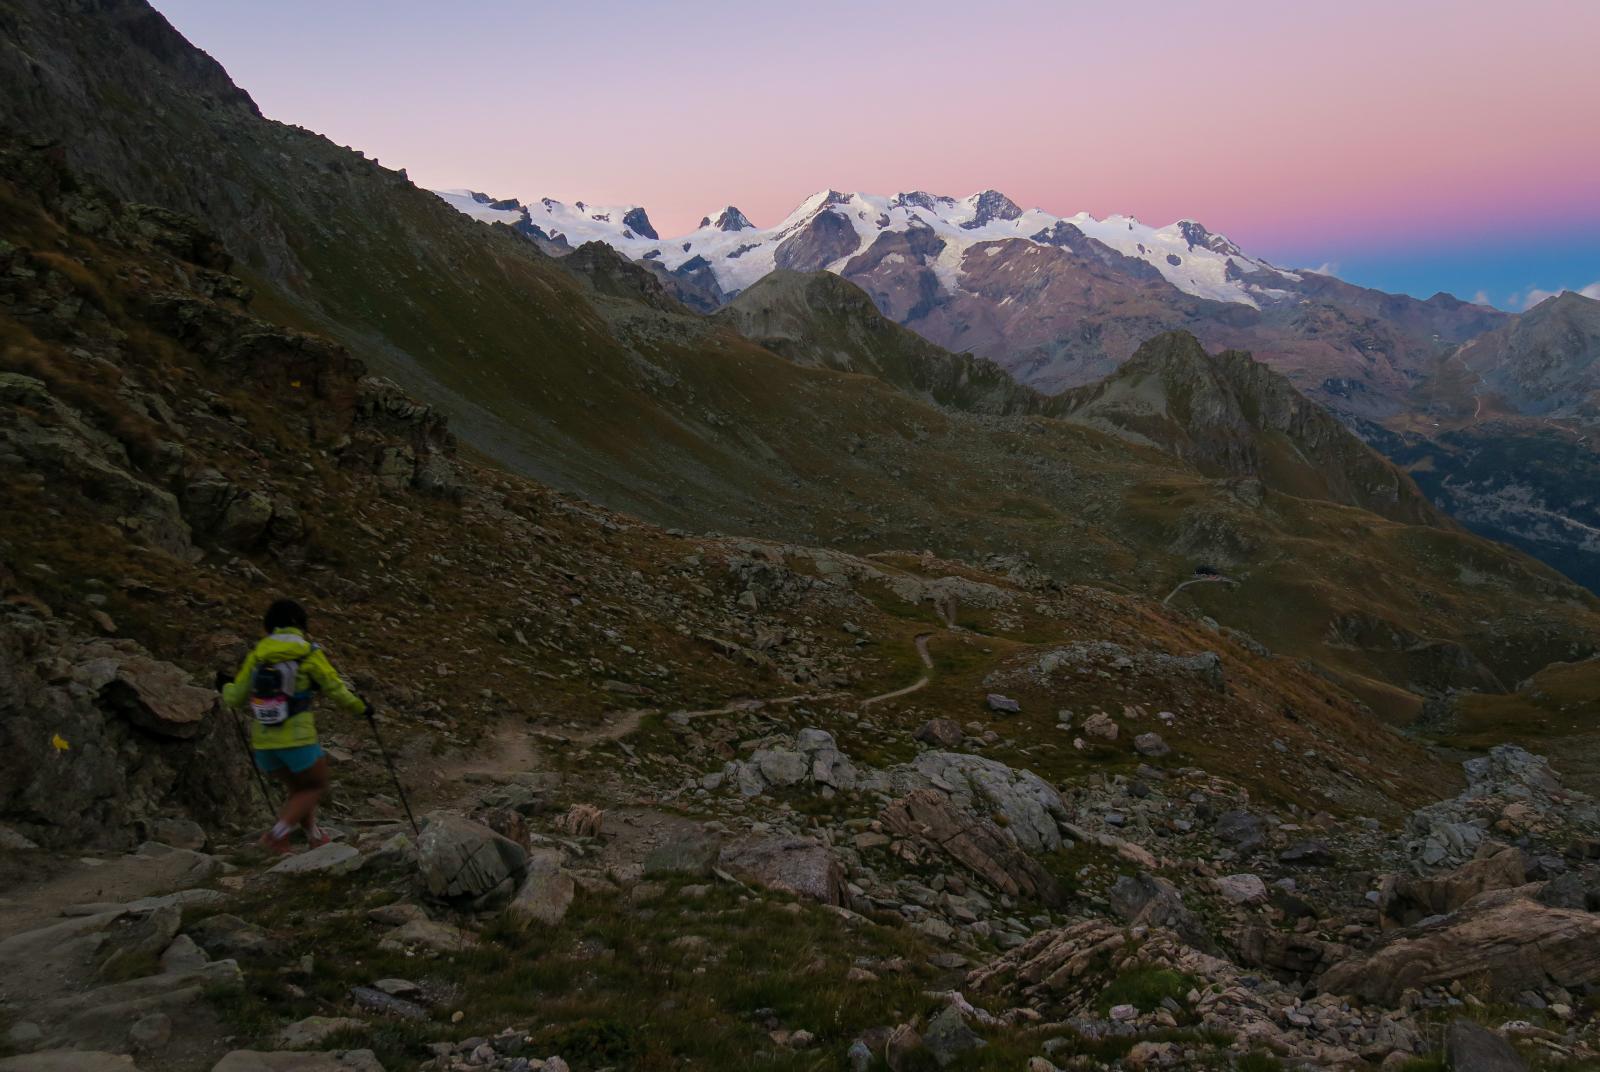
(1147,900)
(1307,854)
(180,834)
(941,732)
(1242,829)
(1100,725)
(428,934)
(150,1033)
(1242,889)
(1151,744)
(581,820)
(1503,940)
(902,1048)
(69,1061)
(334,858)
(947,1037)
(787,864)
(287,1061)
(370,998)
(227,935)
(1002,705)
(1406,899)
(1030,807)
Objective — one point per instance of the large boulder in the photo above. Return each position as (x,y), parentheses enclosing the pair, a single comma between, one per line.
(1241,829)
(787,864)
(461,858)
(1030,807)
(1148,900)
(977,843)
(1499,945)
(1469,1047)
(545,894)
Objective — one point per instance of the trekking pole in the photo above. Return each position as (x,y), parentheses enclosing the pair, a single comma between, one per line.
(394,774)
(240,732)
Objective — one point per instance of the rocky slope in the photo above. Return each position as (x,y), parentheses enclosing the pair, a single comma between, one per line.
(595,380)
(1229,414)
(1544,363)
(709,801)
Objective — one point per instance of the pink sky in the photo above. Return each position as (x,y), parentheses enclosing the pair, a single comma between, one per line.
(1283,125)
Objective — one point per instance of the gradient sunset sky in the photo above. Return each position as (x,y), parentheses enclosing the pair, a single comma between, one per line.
(1410,145)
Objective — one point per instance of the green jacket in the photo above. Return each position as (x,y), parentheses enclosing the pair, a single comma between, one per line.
(316,674)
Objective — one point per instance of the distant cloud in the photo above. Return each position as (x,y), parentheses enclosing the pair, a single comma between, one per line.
(1535,295)
(1482,298)
(1326,268)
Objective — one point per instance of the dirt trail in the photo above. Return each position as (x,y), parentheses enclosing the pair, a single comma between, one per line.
(921,682)
(513,748)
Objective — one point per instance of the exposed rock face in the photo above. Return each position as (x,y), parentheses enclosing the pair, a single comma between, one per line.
(976,843)
(98,735)
(1451,832)
(788,864)
(638,221)
(1407,899)
(1502,943)
(825,239)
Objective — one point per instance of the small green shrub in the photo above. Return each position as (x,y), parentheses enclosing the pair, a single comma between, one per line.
(1144,988)
(591,1042)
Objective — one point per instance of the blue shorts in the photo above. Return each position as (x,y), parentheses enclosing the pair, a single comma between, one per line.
(293,760)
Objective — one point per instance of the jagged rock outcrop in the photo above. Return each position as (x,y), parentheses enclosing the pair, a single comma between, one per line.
(936,820)
(1499,944)
(99,737)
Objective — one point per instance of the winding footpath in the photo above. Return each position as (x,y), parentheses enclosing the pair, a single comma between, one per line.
(921,682)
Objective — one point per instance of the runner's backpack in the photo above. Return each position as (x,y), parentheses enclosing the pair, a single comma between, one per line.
(272,697)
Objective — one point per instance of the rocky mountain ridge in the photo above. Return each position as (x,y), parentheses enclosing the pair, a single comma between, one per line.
(1056,301)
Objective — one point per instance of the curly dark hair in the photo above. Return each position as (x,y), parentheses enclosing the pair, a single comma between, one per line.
(284,613)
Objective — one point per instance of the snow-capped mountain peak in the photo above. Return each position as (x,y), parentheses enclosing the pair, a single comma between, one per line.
(831,228)
(729,219)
